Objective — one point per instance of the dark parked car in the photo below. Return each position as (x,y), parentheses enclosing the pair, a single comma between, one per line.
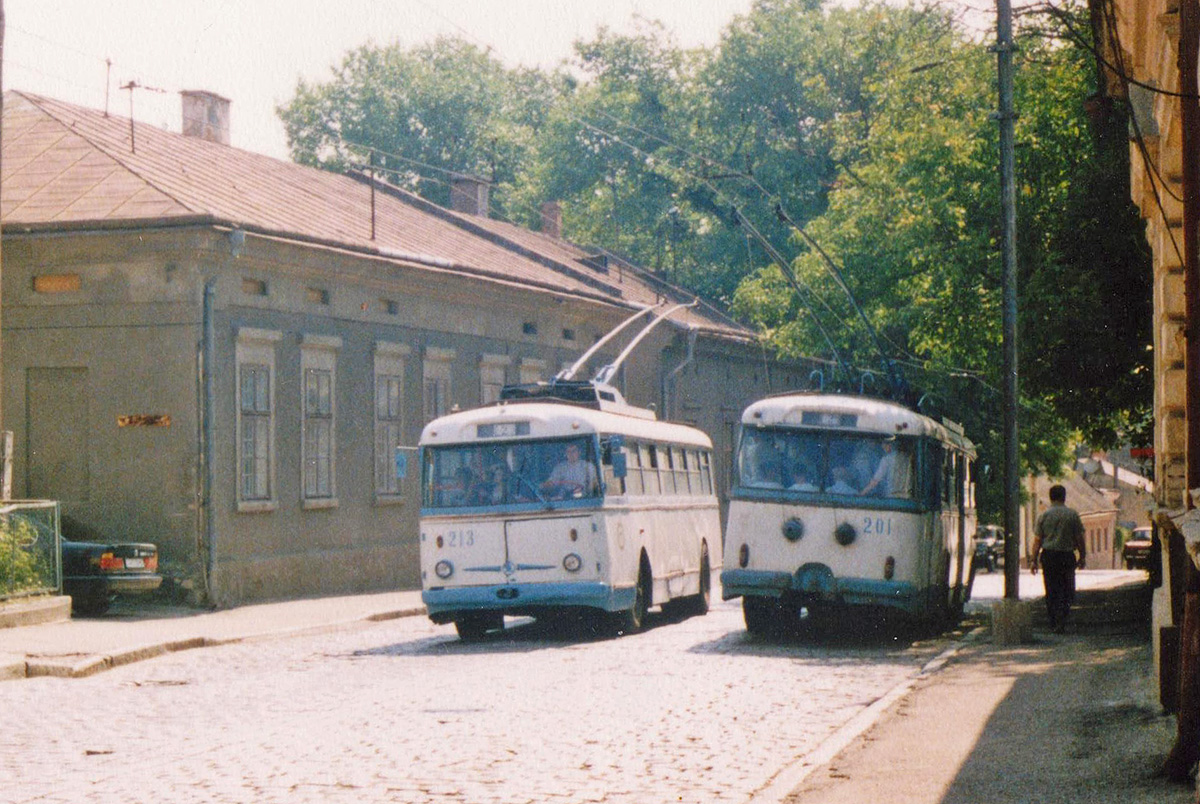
(1136,550)
(95,572)
(989,548)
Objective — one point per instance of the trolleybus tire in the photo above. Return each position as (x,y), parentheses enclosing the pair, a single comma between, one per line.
(473,626)
(632,619)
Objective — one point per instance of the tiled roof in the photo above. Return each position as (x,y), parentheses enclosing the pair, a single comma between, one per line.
(65,164)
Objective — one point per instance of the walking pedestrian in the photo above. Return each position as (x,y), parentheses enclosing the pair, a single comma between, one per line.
(1057,537)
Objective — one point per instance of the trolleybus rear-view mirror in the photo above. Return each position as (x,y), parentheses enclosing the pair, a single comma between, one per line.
(617,456)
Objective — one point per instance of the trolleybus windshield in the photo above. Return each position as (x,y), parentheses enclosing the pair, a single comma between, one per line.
(516,472)
(834,462)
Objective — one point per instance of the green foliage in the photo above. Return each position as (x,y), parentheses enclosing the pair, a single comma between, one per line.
(871,127)
(437,109)
(24,566)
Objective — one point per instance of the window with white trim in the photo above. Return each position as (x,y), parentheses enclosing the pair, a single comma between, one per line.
(389,415)
(436,374)
(255,364)
(531,370)
(318,448)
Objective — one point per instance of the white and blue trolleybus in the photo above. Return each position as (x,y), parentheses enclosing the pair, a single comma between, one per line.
(848,503)
(562,498)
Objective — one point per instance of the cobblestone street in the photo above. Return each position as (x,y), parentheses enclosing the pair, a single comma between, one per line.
(692,711)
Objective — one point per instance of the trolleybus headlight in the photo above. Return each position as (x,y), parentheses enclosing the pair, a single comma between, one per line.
(572,562)
(889,568)
(443,569)
(793,529)
(743,556)
(845,534)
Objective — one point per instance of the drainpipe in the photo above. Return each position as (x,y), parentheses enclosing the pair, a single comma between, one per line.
(207,447)
(1186,750)
(669,380)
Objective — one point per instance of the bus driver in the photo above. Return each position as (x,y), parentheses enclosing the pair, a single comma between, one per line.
(572,477)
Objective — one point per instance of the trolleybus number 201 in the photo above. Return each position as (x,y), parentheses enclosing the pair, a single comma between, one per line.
(878,526)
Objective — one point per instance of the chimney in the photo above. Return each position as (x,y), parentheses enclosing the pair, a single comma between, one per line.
(469,195)
(552,219)
(205,116)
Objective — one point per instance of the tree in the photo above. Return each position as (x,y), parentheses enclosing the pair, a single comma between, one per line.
(427,112)
(912,222)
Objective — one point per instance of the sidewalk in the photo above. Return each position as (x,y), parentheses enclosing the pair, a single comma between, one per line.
(135,631)
(1068,719)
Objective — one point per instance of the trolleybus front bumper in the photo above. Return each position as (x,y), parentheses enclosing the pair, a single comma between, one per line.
(816,583)
(524,599)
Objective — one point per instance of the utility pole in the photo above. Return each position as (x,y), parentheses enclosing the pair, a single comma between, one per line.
(1010,623)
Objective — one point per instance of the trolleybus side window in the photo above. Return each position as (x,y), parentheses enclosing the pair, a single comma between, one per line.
(706,472)
(649,469)
(670,459)
(613,485)
(633,480)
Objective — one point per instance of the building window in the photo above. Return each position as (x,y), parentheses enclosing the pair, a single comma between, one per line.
(493,371)
(254,287)
(531,370)
(436,373)
(318,449)
(389,415)
(256,432)
(316,296)
(255,358)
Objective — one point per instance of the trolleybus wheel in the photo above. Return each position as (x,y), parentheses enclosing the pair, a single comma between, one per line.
(633,618)
(701,602)
(474,626)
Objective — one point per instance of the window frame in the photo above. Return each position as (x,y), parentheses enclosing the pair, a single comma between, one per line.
(318,358)
(390,363)
(255,350)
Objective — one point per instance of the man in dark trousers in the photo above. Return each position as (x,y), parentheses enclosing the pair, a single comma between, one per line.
(1057,538)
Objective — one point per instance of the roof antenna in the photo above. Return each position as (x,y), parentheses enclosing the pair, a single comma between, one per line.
(131,86)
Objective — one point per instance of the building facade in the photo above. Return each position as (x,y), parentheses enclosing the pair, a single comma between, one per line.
(222,353)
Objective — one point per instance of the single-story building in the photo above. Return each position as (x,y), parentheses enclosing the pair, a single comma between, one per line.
(220,352)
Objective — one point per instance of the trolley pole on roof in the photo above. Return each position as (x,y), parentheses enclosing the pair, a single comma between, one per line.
(1005,116)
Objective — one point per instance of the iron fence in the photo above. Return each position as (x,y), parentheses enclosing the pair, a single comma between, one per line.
(30,548)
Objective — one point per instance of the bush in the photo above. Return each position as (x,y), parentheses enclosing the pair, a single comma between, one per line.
(26,557)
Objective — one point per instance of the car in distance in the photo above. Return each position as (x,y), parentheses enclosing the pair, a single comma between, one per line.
(96,572)
(1136,550)
(989,548)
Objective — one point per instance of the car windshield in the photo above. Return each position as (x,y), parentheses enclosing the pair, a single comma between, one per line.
(491,474)
(820,461)
(1140,535)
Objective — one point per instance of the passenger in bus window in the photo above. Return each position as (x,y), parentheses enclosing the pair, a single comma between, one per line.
(893,474)
(765,466)
(490,488)
(841,481)
(456,493)
(800,479)
(572,477)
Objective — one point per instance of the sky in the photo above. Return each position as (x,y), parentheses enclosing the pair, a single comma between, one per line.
(255,51)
